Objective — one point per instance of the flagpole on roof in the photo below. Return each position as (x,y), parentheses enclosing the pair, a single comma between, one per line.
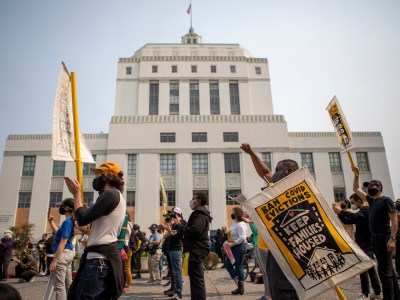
(191,14)
(78,159)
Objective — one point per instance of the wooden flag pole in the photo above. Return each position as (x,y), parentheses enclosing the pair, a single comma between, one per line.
(78,159)
(352,163)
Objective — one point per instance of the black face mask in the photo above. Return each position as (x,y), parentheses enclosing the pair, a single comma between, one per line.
(373,191)
(278,176)
(98,184)
(233,216)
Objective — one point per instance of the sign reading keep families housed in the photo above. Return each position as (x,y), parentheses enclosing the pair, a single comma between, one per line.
(304,235)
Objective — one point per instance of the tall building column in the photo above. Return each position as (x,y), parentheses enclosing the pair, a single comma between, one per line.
(217,197)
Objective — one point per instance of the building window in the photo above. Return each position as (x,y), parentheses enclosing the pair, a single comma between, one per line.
(233,69)
(87,166)
(167,164)
(154,69)
(307,159)
(130,198)
(24,200)
(55,199)
(194,69)
(199,137)
(266,157)
(170,198)
(339,194)
(258,70)
(335,162)
(200,163)
(194,99)
(232,164)
(174,98)
(213,69)
(230,194)
(88,198)
(194,41)
(174,69)
(214,98)
(58,168)
(167,137)
(153,103)
(234,95)
(231,136)
(131,164)
(28,168)
(362,162)
(128,70)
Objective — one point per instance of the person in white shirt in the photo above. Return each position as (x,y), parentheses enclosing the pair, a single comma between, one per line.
(238,247)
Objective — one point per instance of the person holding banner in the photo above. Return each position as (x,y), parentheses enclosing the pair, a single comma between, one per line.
(100,274)
(280,286)
(383,226)
(238,247)
(363,239)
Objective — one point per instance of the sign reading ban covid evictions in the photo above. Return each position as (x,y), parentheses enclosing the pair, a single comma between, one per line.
(305,236)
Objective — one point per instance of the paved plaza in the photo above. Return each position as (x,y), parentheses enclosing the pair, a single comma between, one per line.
(218,285)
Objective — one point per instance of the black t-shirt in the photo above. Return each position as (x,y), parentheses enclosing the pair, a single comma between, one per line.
(379,209)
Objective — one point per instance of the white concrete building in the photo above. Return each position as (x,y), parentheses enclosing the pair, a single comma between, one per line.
(182,111)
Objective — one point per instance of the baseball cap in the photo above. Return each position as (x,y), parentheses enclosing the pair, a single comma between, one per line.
(177,210)
(153,226)
(68,202)
(375,181)
(109,167)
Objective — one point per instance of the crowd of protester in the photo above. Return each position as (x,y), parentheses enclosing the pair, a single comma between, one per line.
(108,248)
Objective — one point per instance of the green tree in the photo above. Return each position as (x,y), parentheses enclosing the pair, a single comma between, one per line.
(21,234)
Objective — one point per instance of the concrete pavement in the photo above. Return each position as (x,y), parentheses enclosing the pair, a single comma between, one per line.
(218,286)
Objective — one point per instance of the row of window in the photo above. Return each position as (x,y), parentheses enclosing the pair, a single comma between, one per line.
(193,68)
(56,197)
(194,98)
(200,160)
(198,137)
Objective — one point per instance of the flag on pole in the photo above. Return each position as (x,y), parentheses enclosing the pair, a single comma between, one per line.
(305,237)
(340,124)
(189,10)
(63,147)
(164,197)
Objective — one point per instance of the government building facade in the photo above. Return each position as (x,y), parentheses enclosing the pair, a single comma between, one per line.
(181,112)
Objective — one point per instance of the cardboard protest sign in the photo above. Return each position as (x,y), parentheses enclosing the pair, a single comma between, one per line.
(340,124)
(228,252)
(305,236)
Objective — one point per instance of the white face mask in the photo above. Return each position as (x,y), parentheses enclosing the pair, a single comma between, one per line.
(192,204)
(354,207)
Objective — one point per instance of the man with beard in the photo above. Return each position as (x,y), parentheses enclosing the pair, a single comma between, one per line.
(281,288)
(100,275)
(383,226)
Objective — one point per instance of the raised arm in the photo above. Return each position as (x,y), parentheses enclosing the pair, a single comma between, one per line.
(356,184)
(262,170)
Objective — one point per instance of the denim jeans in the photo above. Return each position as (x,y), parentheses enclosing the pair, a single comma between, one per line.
(236,270)
(95,280)
(4,262)
(373,277)
(390,286)
(176,263)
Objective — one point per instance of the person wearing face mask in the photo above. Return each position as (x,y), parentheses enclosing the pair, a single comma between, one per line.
(363,239)
(101,265)
(238,248)
(280,286)
(153,247)
(6,247)
(196,241)
(60,267)
(383,226)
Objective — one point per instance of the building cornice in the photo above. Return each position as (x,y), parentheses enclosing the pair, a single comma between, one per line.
(332,134)
(193,58)
(49,136)
(199,119)
(167,79)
